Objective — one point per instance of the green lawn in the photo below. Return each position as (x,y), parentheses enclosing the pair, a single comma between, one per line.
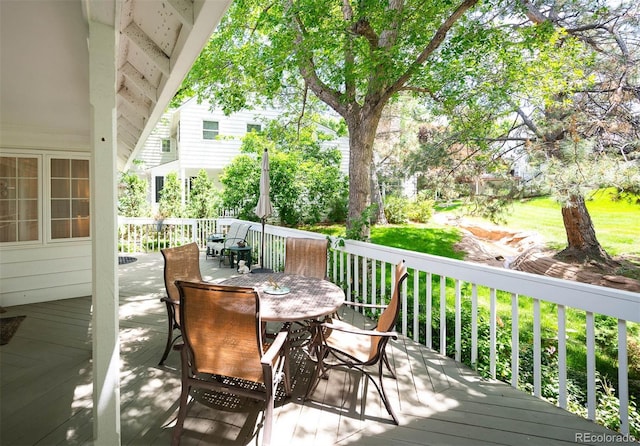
(617,223)
(414,237)
(617,226)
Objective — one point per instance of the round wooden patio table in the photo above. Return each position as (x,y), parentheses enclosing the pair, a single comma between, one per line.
(308,298)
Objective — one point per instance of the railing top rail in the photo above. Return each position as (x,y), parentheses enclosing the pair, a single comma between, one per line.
(620,304)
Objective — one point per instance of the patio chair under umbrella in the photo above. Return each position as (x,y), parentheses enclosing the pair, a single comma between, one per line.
(264,207)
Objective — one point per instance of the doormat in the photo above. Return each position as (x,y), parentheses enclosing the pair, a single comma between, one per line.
(8,327)
(123,260)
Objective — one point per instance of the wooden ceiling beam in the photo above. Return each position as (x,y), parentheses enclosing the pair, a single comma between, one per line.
(155,54)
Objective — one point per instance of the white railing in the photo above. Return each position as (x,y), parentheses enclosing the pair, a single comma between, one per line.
(136,234)
(438,287)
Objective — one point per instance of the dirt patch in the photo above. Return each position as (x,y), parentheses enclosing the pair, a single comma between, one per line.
(524,251)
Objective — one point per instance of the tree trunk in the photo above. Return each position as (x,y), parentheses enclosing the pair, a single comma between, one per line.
(376,198)
(362,127)
(582,244)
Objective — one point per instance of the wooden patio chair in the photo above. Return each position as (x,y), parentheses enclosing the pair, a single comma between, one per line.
(180,263)
(343,345)
(306,256)
(223,349)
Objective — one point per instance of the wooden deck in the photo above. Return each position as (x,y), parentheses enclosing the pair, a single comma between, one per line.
(46,393)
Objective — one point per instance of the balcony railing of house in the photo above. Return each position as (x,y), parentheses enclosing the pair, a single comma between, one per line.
(458,308)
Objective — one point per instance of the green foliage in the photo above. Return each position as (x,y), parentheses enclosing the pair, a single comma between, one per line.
(305,178)
(421,209)
(203,200)
(360,227)
(396,209)
(338,207)
(170,204)
(132,197)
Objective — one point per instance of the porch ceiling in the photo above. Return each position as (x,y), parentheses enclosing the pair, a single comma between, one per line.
(44,80)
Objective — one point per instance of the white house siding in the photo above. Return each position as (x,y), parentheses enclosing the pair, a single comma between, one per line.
(43,273)
(195,153)
(43,270)
(198,153)
(152,153)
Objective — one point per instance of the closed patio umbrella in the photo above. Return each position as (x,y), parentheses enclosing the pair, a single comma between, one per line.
(264,207)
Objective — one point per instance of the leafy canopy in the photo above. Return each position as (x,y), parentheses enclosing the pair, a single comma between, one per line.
(304,176)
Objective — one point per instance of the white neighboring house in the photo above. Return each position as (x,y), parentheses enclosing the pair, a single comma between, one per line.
(194,137)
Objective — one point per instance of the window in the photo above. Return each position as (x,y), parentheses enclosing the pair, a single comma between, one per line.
(44,196)
(69,198)
(166,145)
(253,128)
(159,187)
(209,129)
(19,199)
(188,185)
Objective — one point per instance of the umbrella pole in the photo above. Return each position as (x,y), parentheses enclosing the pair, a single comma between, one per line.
(262,269)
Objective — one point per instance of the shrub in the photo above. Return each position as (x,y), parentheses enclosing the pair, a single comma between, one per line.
(420,210)
(396,209)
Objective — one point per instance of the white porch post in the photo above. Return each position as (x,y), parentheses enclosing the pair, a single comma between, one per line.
(106,347)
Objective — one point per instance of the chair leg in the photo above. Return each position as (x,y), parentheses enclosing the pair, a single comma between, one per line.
(386,362)
(182,412)
(318,372)
(170,339)
(383,394)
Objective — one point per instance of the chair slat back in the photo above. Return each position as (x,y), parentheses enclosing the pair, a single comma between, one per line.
(237,232)
(180,263)
(389,316)
(307,257)
(221,328)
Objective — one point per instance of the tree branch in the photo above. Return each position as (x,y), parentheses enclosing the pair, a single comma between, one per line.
(349,58)
(433,44)
(308,70)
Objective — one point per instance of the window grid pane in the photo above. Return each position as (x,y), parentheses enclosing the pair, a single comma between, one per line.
(70,198)
(19,199)
(209,129)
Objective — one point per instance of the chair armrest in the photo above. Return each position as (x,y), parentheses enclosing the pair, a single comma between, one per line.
(358,331)
(239,239)
(274,349)
(363,305)
(169,301)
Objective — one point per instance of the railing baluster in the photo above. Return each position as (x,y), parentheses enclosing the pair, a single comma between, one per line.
(403,293)
(458,323)
(591,367)
(405,309)
(374,281)
(537,350)
(429,310)
(365,279)
(492,334)
(349,284)
(562,357)
(474,326)
(623,378)
(416,305)
(515,342)
(356,277)
(383,283)
(443,315)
